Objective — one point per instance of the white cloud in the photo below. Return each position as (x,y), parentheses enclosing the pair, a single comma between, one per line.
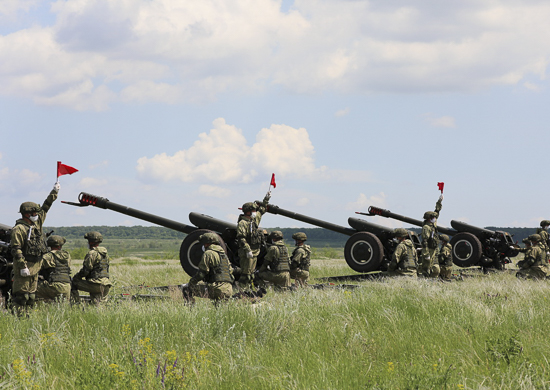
(302,202)
(214,191)
(363,202)
(343,112)
(442,121)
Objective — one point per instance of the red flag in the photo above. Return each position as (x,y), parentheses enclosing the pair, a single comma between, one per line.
(273,181)
(440,186)
(63,169)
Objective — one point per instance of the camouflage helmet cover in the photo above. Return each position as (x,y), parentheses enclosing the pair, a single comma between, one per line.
(301,236)
(430,215)
(276,235)
(400,232)
(544,223)
(444,237)
(249,206)
(93,237)
(534,237)
(209,238)
(526,241)
(55,241)
(29,207)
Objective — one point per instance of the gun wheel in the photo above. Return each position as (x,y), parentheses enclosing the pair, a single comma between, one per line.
(191,250)
(467,249)
(363,252)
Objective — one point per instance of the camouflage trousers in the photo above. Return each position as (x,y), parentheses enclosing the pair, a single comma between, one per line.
(446,272)
(98,292)
(535,272)
(279,279)
(53,291)
(429,267)
(248,266)
(300,276)
(215,291)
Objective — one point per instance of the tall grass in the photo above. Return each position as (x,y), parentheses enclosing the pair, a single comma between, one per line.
(483,332)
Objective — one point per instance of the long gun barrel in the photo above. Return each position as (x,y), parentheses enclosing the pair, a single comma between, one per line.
(388,214)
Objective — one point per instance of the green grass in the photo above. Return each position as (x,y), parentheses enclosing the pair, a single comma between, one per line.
(487,332)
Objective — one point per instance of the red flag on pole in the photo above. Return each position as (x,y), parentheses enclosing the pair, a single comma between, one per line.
(63,169)
(273,181)
(440,186)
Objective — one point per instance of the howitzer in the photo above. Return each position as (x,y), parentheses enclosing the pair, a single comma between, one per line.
(472,245)
(369,247)
(190,249)
(6,261)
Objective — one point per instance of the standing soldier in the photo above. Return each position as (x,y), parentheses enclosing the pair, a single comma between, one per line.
(430,242)
(404,258)
(95,271)
(545,239)
(56,269)
(214,269)
(276,265)
(250,239)
(533,266)
(300,261)
(445,258)
(27,248)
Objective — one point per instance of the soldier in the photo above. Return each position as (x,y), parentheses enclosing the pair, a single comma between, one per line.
(430,242)
(27,248)
(533,266)
(404,258)
(545,239)
(300,261)
(95,271)
(214,269)
(276,265)
(250,239)
(445,258)
(56,270)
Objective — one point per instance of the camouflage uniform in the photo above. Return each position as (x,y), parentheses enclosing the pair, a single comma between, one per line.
(250,239)
(95,271)
(57,280)
(215,270)
(543,233)
(299,264)
(430,243)
(276,265)
(27,248)
(404,260)
(534,264)
(446,261)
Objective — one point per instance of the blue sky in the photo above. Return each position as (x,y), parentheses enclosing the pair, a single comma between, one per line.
(174,106)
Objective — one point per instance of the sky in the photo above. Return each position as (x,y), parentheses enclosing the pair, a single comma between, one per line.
(174,106)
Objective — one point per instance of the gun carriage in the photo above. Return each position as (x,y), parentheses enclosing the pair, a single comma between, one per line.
(6,261)
(472,245)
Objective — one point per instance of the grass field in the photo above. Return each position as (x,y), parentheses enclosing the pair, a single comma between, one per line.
(483,332)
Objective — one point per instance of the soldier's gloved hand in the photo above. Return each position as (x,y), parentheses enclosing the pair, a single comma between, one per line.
(267,197)
(25,272)
(56,186)
(441,197)
(249,255)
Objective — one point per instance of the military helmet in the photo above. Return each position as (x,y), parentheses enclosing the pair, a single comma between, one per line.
(534,237)
(209,238)
(276,235)
(55,241)
(249,206)
(29,207)
(544,223)
(444,237)
(301,236)
(526,241)
(93,236)
(430,215)
(400,232)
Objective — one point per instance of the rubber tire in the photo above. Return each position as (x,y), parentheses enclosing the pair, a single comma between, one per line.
(191,251)
(366,245)
(467,249)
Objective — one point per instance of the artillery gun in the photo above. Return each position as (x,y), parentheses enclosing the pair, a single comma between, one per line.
(6,261)
(190,249)
(472,245)
(370,246)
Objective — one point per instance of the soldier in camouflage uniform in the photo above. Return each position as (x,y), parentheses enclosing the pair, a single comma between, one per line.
(56,270)
(300,260)
(93,277)
(27,248)
(445,258)
(533,266)
(214,269)
(430,242)
(404,258)
(250,239)
(276,265)
(545,239)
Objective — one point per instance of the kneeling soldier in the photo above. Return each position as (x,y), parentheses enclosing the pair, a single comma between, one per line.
(404,258)
(56,270)
(300,261)
(276,265)
(445,258)
(95,271)
(214,269)
(534,265)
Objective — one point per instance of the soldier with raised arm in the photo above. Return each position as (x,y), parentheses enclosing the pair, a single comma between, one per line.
(28,245)
(430,242)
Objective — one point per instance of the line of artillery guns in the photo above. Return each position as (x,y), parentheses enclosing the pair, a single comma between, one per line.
(368,249)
